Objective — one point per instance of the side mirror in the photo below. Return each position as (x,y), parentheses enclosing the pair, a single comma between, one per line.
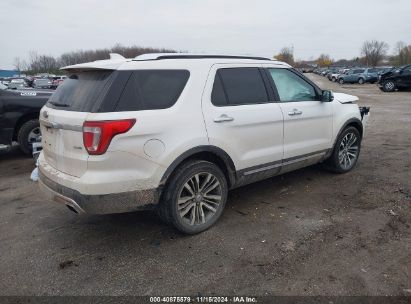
(327,96)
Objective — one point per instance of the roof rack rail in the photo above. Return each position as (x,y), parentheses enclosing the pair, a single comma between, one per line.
(160,56)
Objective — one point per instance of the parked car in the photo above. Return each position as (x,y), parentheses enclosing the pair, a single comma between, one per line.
(17,83)
(175,132)
(42,83)
(19,112)
(334,76)
(330,72)
(351,76)
(395,79)
(370,75)
(57,80)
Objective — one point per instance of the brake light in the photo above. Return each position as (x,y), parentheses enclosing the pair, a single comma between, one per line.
(97,135)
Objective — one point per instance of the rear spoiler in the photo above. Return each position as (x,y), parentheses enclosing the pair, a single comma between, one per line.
(113,63)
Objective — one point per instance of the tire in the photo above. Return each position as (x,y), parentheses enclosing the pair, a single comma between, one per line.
(334,79)
(361,81)
(389,86)
(346,151)
(29,132)
(203,207)
(341,81)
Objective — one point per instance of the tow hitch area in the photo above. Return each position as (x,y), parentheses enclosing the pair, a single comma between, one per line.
(364,111)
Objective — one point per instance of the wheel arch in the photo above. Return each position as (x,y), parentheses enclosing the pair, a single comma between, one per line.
(209,153)
(352,122)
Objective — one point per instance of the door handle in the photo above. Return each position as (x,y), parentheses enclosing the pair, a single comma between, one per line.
(223,118)
(295,112)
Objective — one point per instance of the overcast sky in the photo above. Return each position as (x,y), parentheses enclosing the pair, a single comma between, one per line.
(257,27)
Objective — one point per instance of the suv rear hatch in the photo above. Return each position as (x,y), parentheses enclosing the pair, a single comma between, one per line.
(62,118)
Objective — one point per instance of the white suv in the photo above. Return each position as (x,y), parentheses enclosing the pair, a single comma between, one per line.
(175,132)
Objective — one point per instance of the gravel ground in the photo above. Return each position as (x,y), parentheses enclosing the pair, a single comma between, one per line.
(308,232)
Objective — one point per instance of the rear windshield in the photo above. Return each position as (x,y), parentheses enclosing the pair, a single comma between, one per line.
(82,92)
(115,91)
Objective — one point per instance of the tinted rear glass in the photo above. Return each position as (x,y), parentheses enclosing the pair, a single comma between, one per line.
(82,92)
(152,89)
(218,97)
(242,86)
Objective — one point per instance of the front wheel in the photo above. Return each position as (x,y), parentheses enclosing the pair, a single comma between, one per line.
(341,81)
(388,86)
(361,81)
(346,151)
(195,197)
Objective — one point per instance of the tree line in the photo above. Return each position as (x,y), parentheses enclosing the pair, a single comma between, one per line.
(373,53)
(41,63)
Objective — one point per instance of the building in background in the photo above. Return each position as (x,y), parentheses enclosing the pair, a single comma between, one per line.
(9,73)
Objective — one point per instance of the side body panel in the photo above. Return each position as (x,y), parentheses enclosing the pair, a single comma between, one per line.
(253,137)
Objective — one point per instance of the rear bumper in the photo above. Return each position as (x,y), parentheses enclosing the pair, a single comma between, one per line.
(99,204)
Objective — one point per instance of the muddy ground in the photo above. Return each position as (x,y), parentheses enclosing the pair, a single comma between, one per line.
(309,232)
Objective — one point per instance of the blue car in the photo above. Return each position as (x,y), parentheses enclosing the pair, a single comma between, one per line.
(361,76)
(351,76)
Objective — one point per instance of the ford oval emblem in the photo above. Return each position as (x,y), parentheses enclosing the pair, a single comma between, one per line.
(45,114)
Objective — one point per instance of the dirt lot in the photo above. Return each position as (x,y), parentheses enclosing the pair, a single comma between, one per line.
(309,232)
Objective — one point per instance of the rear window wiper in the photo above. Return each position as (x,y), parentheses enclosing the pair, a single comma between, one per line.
(65,105)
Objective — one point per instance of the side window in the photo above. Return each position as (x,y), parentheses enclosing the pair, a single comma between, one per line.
(291,87)
(238,86)
(218,97)
(152,89)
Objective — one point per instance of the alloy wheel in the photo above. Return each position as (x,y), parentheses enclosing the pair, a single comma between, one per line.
(389,86)
(34,135)
(199,198)
(348,151)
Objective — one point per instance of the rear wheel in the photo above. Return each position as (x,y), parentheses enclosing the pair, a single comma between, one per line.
(389,86)
(195,197)
(334,79)
(28,134)
(346,151)
(361,81)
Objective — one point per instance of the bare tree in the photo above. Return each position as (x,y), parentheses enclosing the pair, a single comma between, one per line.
(19,64)
(286,54)
(374,52)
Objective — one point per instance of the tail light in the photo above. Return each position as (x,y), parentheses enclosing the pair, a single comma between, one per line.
(97,135)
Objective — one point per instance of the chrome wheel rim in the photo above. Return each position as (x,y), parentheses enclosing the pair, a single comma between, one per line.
(348,151)
(389,85)
(34,135)
(199,198)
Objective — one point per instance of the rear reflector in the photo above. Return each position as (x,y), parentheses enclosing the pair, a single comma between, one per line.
(97,135)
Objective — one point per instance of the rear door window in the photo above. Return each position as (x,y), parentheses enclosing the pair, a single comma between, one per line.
(238,86)
(152,89)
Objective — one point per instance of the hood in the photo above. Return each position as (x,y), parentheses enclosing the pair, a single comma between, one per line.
(387,74)
(345,98)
